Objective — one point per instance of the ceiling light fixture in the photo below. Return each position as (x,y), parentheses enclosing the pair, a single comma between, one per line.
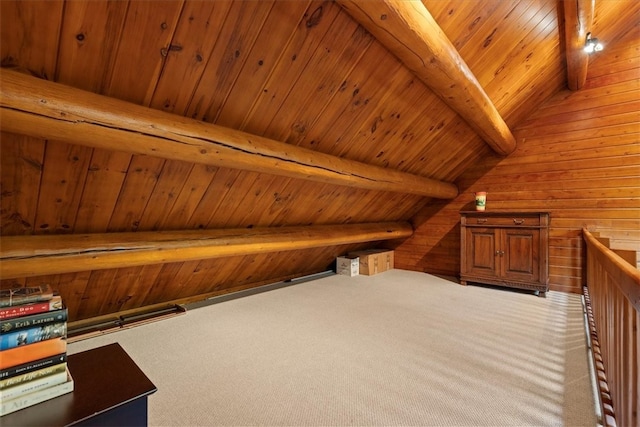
(592,44)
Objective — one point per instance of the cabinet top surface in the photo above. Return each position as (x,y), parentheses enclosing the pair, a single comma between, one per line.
(104,378)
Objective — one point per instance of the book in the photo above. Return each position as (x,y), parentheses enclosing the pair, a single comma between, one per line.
(32,365)
(24,295)
(54,303)
(36,397)
(32,335)
(33,375)
(23,322)
(32,386)
(25,353)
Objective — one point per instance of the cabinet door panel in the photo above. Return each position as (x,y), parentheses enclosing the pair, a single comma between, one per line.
(481,252)
(521,254)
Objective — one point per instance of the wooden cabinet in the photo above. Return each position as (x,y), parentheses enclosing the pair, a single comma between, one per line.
(505,249)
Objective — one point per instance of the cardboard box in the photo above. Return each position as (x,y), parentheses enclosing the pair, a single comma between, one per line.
(374,261)
(347,265)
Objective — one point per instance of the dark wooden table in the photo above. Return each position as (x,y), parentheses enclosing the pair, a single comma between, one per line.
(109,390)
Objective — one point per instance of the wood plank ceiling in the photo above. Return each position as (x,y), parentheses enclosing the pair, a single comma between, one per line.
(304,73)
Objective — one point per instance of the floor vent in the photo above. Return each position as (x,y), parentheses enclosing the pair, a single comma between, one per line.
(82,330)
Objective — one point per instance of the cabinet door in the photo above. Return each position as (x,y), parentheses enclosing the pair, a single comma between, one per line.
(520,255)
(480,255)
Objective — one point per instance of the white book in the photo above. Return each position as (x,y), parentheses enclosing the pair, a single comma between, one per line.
(36,397)
(31,386)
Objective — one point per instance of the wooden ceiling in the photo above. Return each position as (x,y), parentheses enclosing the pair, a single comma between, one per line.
(302,73)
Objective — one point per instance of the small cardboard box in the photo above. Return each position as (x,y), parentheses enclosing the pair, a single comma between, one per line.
(347,265)
(374,261)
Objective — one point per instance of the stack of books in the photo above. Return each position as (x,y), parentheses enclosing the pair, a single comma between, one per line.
(33,347)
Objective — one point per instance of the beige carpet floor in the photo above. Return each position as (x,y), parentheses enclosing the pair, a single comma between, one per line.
(399,348)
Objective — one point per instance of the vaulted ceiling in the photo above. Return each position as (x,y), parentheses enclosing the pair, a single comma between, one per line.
(303,75)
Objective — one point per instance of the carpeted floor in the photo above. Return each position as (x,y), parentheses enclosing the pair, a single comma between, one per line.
(399,348)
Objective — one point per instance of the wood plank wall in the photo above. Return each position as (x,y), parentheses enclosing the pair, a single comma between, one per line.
(578,157)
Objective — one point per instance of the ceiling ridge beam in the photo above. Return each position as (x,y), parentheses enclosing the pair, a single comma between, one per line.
(578,18)
(48,110)
(37,255)
(408,31)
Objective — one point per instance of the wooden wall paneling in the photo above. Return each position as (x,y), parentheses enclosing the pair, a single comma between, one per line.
(135,193)
(149,28)
(20,174)
(298,52)
(259,198)
(197,33)
(570,169)
(232,199)
(195,36)
(119,290)
(621,176)
(213,197)
(89,41)
(211,275)
(189,198)
(622,142)
(104,179)
(181,61)
(338,206)
(431,156)
(25,48)
(238,34)
(363,92)
(165,286)
(370,140)
(176,281)
(22,158)
(497,41)
(528,82)
(297,203)
(90,37)
(321,79)
(138,290)
(248,269)
(406,100)
(449,14)
(278,29)
(586,119)
(95,293)
(169,185)
(63,176)
(422,139)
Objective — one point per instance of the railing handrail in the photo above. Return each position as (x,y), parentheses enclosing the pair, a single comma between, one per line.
(626,276)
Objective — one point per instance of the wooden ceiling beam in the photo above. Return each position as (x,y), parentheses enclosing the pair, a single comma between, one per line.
(48,110)
(408,31)
(37,255)
(578,18)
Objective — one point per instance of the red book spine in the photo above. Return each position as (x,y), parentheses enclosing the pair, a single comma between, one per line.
(33,308)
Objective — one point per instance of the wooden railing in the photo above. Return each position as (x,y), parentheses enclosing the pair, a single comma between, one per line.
(613,308)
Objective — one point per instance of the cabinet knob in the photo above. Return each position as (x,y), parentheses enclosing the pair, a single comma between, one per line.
(499,253)
(518,221)
(482,220)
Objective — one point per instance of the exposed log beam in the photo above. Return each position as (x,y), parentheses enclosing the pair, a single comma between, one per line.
(578,17)
(48,110)
(37,255)
(408,31)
